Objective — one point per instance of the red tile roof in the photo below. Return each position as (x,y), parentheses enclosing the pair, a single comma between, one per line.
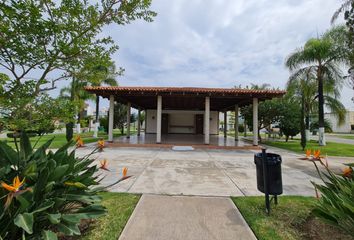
(229,91)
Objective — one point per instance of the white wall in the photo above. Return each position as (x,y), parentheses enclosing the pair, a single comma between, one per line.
(180,121)
(344,128)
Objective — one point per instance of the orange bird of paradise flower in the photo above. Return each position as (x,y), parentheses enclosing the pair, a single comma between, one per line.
(347,172)
(16,185)
(125,172)
(308,153)
(14,190)
(104,164)
(317,154)
(79,141)
(100,144)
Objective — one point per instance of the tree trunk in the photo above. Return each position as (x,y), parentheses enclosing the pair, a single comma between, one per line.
(321,137)
(307,126)
(69,126)
(259,135)
(302,126)
(286,138)
(69,131)
(97,107)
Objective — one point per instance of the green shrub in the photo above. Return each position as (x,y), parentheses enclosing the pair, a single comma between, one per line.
(57,192)
(18,134)
(327,126)
(241,128)
(104,123)
(336,204)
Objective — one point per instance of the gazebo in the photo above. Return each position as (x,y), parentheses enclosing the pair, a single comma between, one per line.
(187,110)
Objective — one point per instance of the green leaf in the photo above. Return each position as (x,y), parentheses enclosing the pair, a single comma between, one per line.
(24,203)
(69,229)
(59,172)
(25,145)
(8,154)
(54,218)
(49,186)
(44,206)
(31,170)
(49,235)
(25,221)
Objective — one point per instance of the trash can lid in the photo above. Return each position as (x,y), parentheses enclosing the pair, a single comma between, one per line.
(272,158)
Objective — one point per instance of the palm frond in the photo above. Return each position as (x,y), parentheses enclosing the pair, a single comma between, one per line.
(342,8)
(295,60)
(336,107)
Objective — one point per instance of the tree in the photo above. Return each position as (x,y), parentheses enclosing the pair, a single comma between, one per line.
(290,119)
(324,56)
(119,119)
(35,114)
(301,88)
(43,37)
(77,95)
(345,8)
(348,9)
(142,118)
(105,75)
(269,112)
(95,71)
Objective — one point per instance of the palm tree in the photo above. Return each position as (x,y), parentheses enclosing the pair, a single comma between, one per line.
(77,94)
(105,75)
(347,8)
(322,56)
(301,87)
(343,8)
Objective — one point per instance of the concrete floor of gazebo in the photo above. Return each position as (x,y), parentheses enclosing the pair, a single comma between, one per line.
(169,140)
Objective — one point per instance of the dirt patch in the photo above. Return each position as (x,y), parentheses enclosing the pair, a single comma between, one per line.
(315,229)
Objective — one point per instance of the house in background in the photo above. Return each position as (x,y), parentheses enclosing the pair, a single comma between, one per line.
(346,127)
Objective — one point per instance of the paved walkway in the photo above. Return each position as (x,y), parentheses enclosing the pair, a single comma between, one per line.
(215,174)
(181,218)
(203,172)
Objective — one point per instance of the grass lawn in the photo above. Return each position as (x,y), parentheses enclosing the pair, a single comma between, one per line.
(119,208)
(292,218)
(60,140)
(331,149)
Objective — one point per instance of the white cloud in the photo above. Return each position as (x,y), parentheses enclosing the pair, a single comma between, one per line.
(219,43)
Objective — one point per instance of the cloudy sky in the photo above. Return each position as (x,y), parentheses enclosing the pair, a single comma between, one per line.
(219,43)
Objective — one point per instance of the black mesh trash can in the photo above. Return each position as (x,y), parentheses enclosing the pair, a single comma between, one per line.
(273,162)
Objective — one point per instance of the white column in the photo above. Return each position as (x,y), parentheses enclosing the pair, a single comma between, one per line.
(236,122)
(321,136)
(128,119)
(255,121)
(207,121)
(225,124)
(139,123)
(111,118)
(95,129)
(78,128)
(158,119)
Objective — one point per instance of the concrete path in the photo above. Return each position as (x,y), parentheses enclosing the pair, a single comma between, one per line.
(203,172)
(181,218)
